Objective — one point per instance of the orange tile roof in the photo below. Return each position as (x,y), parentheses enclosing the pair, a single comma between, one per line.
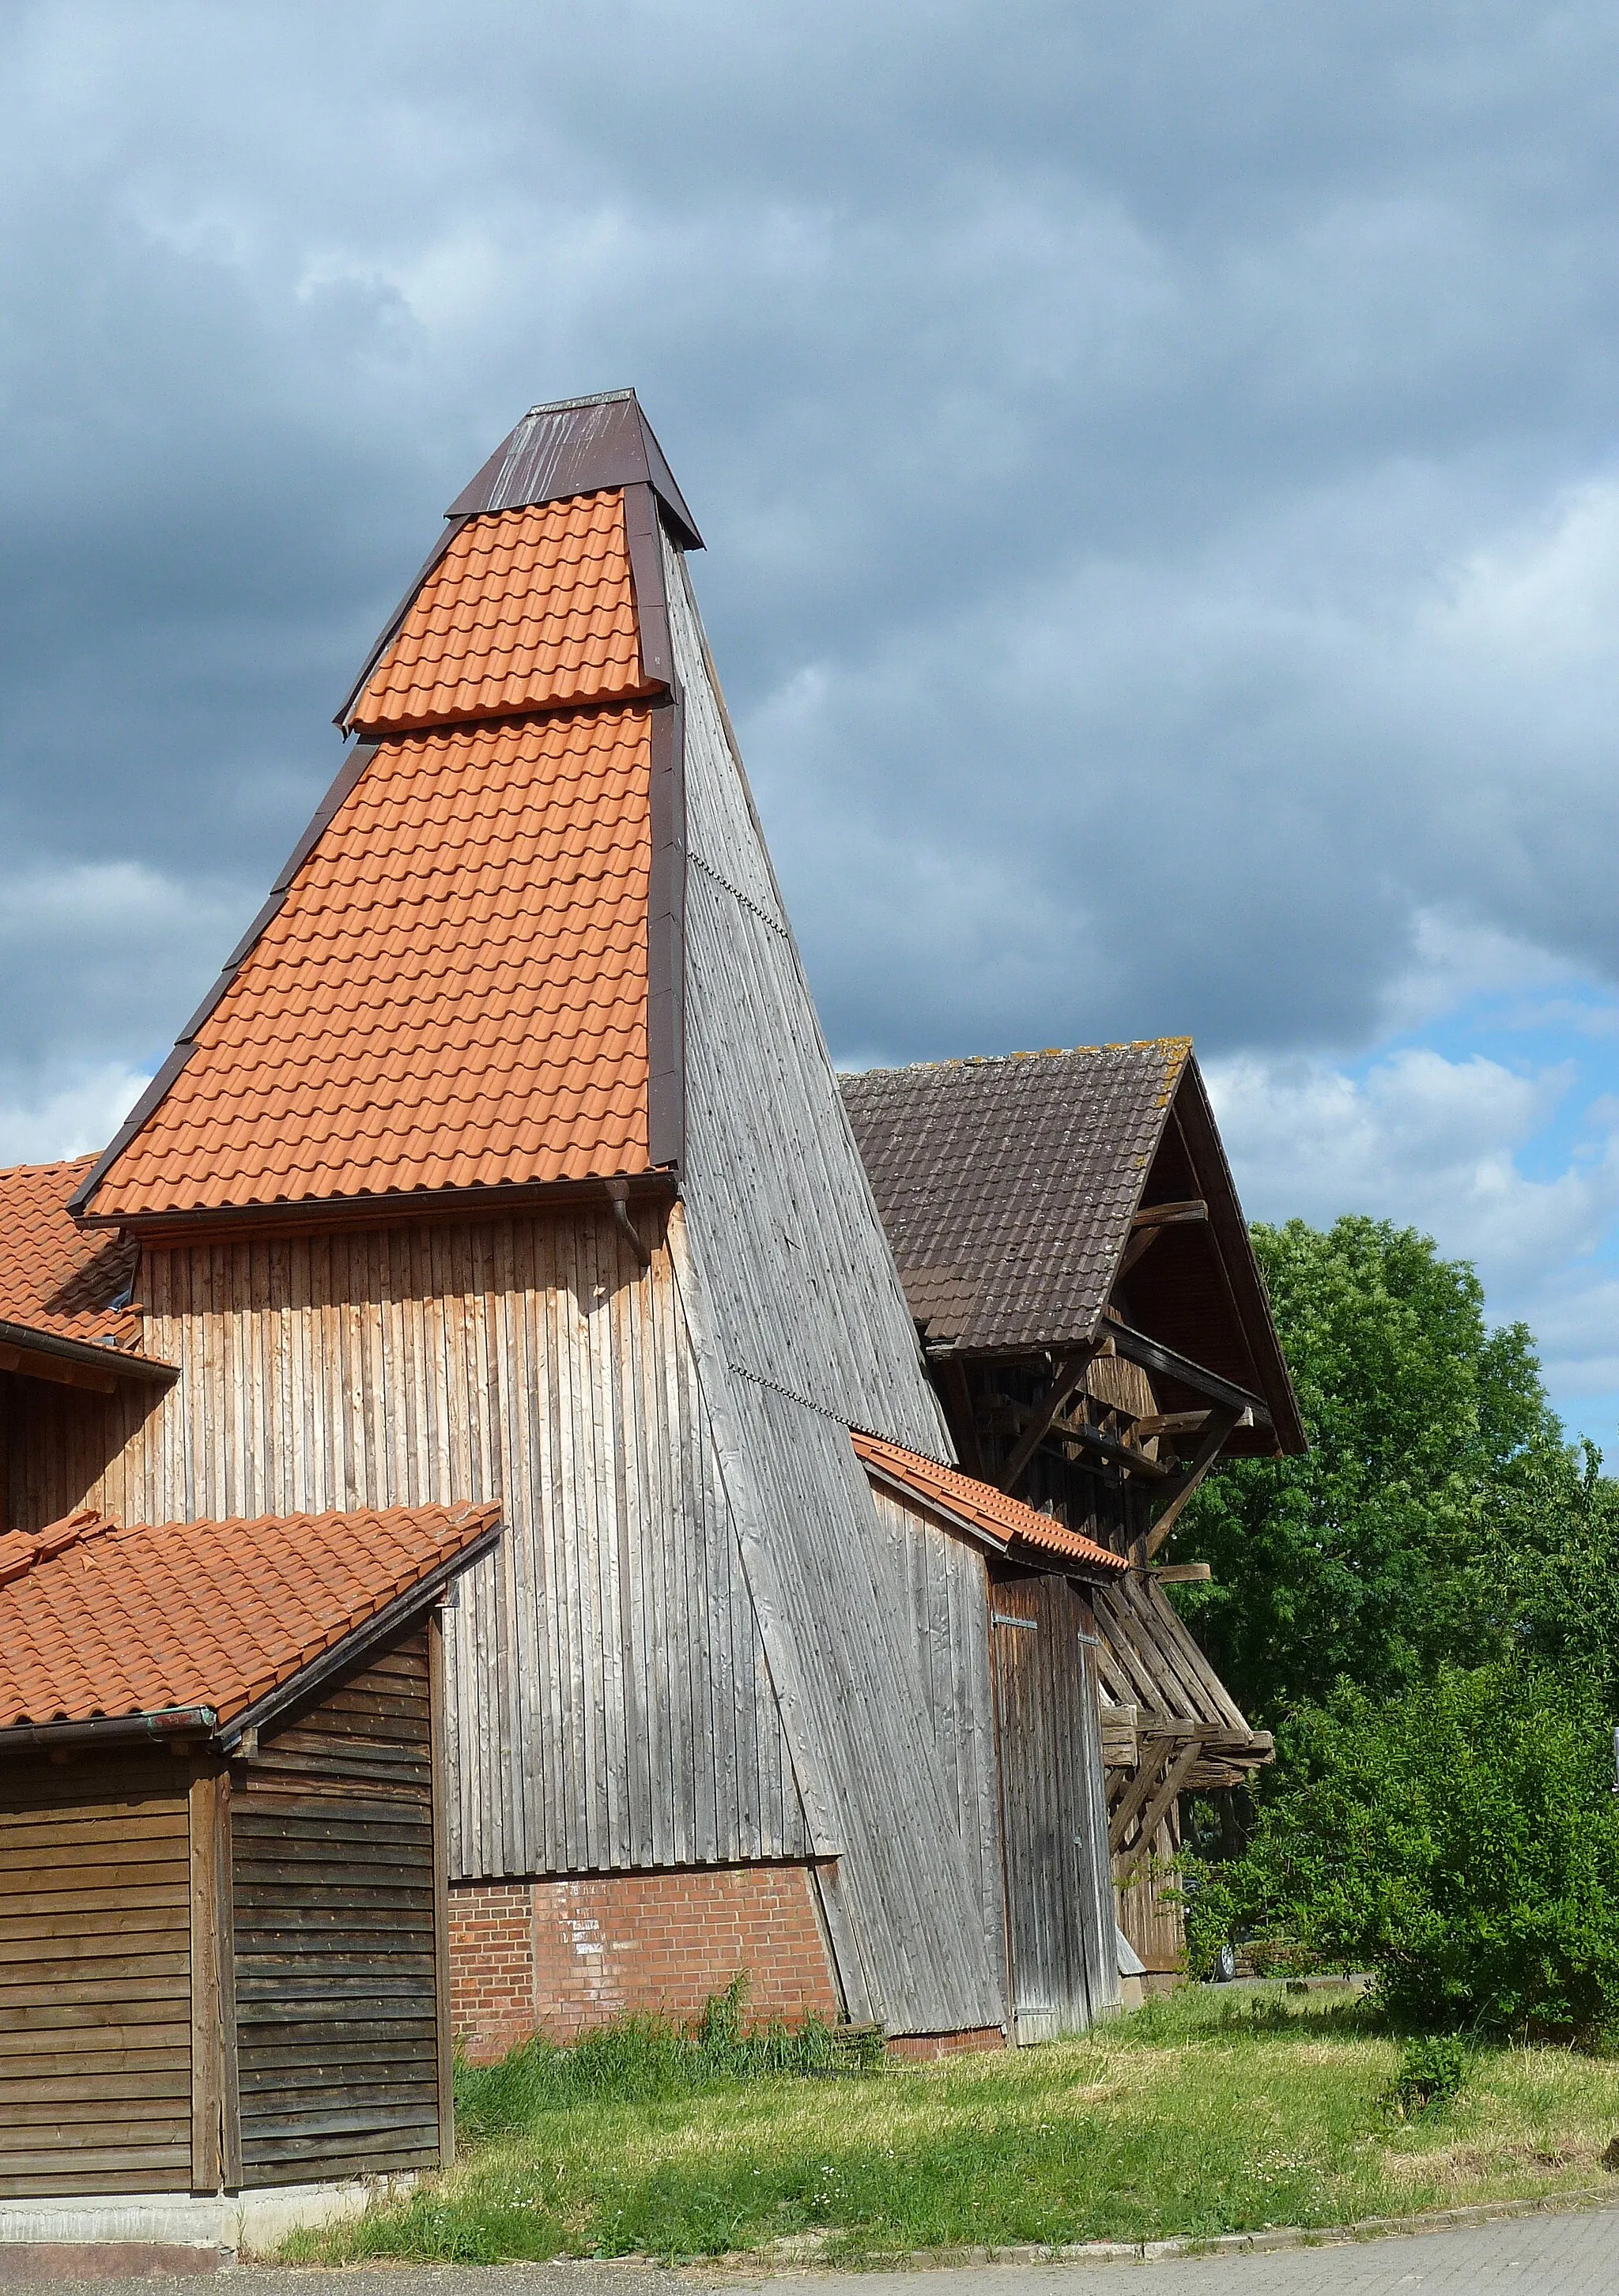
(98,1622)
(453,994)
(981,1504)
(527,610)
(54,1277)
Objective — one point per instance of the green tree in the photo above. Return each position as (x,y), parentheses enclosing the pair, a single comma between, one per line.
(1379,1556)
(1461,1841)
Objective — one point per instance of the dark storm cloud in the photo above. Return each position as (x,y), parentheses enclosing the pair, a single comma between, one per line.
(1149,457)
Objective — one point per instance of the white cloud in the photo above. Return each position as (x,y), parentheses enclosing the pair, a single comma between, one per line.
(1439,1144)
(71,1118)
(1422,1140)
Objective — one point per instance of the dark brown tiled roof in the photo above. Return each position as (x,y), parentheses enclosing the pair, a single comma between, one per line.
(1007,1186)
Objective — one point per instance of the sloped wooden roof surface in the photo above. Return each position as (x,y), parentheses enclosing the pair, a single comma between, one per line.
(1007,1186)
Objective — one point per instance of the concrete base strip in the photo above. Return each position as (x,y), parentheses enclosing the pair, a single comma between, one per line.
(127,2235)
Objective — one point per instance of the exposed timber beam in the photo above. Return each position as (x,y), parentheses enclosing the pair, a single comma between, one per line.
(1183,1574)
(1221,1423)
(1149,1223)
(1154,1755)
(1162,1801)
(1168,1422)
(1152,1356)
(1096,1439)
(1070,1371)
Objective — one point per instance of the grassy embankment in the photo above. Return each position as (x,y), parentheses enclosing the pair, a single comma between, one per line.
(1200,2115)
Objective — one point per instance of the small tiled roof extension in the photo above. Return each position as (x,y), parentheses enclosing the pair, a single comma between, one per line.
(54,1277)
(980,1506)
(98,1623)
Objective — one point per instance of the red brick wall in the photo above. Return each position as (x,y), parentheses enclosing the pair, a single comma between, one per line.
(559,1956)
(927,2048)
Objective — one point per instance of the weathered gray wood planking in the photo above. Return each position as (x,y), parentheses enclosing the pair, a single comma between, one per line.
(781,1212)
(609,1703)
(950,1605)
(1059,1887)
(94,1978)
(336,1982)
(803,1331)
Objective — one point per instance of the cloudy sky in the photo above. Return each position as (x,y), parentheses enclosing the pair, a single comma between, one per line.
(1160,473)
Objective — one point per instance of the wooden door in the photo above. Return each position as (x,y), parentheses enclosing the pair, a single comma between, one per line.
(1060,1922)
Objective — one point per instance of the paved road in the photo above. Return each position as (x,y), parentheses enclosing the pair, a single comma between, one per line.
(1572,2255)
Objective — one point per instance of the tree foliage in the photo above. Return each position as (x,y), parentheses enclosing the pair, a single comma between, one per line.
(1367,1561)
(1461,1841)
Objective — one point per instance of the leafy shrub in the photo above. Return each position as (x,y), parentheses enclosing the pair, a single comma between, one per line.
(1462,1842)
(1431,2071)
(639,2059)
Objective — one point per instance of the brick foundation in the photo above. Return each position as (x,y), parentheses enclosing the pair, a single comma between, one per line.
(561,1956)
(927,2048)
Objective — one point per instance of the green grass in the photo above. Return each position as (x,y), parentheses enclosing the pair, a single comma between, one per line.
(1200,2115)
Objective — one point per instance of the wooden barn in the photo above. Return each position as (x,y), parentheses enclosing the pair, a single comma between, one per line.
(505,1164)
(224,1861)
(1096,1328)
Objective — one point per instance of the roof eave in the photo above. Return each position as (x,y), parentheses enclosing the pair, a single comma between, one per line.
(27,1338)
(388,1208)
(163,1726)
(368,1635)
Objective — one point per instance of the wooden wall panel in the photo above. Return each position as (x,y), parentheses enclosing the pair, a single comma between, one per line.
(609,1703)
(1059,1882)
(336,1977)
(95,1976)
(950,1612)
(801,1331)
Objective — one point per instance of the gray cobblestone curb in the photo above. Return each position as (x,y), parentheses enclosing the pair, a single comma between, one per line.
(746,2263)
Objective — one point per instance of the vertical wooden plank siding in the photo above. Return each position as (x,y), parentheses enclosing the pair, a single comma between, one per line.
(609,1705)
(950,1613)
(1060,1910)
(337,1964)
(95,2010)
(801,1331)
(440,1822)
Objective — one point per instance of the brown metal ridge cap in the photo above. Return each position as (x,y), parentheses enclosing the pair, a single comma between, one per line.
(92,1353)
(366,1634)
(487,1199)
(165,1724)
(577,447)
(347,774)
